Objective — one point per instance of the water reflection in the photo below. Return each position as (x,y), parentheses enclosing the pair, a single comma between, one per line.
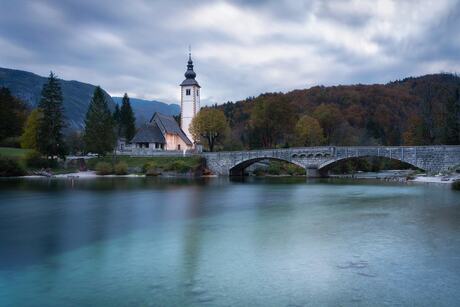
(101,184)
(269,242)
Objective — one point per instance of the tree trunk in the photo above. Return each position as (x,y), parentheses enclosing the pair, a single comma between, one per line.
(211,143)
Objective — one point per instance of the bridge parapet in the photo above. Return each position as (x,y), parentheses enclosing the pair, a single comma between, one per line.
(430,158)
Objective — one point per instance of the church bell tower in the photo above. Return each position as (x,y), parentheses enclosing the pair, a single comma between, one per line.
(190,98)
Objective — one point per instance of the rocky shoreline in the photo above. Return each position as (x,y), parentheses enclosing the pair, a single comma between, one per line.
(394,176)
(403,176)
(93,174)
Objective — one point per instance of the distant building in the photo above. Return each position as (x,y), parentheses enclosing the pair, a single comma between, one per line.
(163,132)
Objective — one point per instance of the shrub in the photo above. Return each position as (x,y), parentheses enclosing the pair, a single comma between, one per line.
(152,171)
(34,159)
(103,168)
(10,167)
(294,170)
(11,142)
(147,166)
(178,166)
(258,172)
(456,185)
(121,168)
(274,168)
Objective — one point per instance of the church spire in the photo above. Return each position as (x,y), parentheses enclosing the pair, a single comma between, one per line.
(190,74)
(190,97)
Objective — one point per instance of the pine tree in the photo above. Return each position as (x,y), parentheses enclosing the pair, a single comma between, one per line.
(127,119)
(99,135)
(50,139)
(427,113)
(452,123)
(116,118)
(13,113)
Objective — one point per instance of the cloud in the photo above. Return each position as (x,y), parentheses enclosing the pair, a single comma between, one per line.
(240,48)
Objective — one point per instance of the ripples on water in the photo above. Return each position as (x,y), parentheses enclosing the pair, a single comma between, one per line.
(279,242)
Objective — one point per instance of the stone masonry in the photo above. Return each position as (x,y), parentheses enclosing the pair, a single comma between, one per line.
(433,159)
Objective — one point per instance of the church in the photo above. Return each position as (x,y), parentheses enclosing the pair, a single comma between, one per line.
(163,132)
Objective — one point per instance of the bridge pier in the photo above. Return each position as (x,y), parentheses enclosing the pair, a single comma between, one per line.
(311,172)
(237,173)
(314,172)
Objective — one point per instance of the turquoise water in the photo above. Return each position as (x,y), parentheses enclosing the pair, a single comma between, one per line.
(283,242)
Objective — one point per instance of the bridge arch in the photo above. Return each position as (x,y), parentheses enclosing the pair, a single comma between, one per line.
(239,167)
(323,166)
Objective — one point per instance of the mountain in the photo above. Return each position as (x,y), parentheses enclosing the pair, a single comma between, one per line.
(144,109)
(27,86)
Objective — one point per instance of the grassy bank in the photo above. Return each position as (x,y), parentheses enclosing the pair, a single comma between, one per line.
(19,162)
(13,152)
(146,165)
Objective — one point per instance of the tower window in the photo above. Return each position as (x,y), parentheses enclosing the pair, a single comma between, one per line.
(187,92)
(198,92)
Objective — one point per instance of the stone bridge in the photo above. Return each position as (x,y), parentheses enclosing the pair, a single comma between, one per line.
(432,159)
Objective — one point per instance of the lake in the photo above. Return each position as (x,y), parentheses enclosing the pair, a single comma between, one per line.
(217,242)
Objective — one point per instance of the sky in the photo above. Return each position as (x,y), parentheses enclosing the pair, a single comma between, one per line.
(240,48)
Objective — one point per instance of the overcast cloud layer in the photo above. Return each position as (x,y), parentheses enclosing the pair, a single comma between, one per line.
(240,48)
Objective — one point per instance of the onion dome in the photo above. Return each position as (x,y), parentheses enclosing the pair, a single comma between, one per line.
(190,75)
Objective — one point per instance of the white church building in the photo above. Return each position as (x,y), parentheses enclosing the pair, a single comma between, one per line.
(163,132)
(189,98)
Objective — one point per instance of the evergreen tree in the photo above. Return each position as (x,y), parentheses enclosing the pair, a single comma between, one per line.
(427,105)
(452,124)
(99,135)
(116,118)
(74,141)
(13,113)
(177,119)
(50,139)
(127,119)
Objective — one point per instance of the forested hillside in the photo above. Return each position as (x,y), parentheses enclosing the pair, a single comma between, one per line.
(413,111)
